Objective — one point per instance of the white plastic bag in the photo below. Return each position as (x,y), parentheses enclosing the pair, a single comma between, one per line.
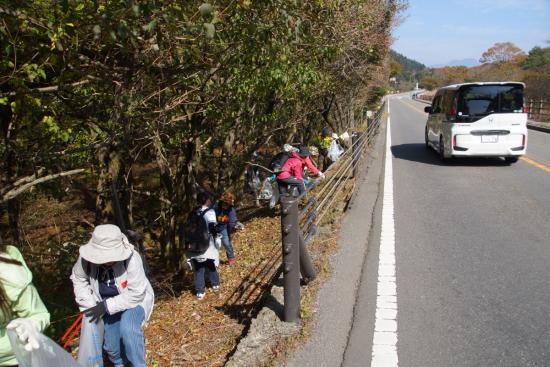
(49,354)
(90,351)
(346,139)
(334,151)
(275,198)
(267,191)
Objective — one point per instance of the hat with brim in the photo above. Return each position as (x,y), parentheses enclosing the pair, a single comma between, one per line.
(108,244)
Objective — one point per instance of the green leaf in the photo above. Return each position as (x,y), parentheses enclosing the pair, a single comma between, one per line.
(205,9)
(151,26)
(210,30)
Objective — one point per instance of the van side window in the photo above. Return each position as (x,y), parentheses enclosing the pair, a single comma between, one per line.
(436,105)
(447,102)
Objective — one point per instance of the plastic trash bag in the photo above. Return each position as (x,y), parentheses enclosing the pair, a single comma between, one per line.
(90,351)
(267,190)
(335,151)
(49,354)
(345,139)
(253,181)
(275,198)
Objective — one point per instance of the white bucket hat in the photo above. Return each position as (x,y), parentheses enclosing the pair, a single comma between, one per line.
(108,244)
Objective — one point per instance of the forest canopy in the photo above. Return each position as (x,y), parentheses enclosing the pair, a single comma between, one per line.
(166,98)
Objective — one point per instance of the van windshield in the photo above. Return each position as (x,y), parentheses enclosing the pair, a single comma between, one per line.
(483,100)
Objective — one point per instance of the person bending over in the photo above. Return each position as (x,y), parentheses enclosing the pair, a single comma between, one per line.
(110,284)
(292,171)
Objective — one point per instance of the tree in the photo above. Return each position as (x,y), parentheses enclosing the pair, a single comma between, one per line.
(429,83)
(538,58)
(501,52)
(162,99)
(395,69)
(452,74)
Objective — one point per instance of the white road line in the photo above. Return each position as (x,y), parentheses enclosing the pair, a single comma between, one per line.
(384,344)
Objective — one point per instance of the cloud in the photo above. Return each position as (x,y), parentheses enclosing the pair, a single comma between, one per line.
(478,30)
(488,6)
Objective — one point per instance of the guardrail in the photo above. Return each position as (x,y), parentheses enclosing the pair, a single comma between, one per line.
(425,97)
(301,215)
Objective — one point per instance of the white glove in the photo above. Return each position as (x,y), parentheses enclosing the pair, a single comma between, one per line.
(322,175)
(27,331)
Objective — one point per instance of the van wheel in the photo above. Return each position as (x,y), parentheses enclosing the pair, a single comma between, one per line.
(442,150)
(511,159)
(426,138)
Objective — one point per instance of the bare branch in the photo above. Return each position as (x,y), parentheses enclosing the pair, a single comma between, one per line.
(21,189)
(53,88)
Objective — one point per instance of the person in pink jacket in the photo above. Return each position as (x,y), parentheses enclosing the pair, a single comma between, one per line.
(292,171)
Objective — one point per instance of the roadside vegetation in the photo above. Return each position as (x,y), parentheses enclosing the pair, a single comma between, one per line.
(155,101)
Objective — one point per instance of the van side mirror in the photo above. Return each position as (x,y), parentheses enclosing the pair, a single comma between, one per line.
(428,109)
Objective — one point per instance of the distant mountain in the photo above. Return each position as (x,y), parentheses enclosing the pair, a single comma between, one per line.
(463,62)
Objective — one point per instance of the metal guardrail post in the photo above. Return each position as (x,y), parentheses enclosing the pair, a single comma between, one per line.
(355,153)
(290,230)
(306,265)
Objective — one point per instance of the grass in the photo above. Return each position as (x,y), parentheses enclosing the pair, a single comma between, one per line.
(183,331)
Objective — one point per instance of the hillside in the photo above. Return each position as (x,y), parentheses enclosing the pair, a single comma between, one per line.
(410,73)
(408,65)
(503,61)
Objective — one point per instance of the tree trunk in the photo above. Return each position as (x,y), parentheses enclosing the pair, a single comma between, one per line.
(103,209)
(14,207)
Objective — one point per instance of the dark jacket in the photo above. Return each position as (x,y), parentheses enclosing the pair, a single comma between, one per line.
(226,217)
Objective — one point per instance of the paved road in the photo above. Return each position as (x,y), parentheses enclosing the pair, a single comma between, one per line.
(472,261)
(472,246)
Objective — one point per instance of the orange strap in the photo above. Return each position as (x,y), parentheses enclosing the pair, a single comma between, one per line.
(71,332)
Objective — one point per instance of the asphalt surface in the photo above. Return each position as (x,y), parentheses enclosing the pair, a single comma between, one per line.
(472,244)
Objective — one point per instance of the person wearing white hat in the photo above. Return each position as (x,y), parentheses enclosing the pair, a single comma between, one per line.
(110,284)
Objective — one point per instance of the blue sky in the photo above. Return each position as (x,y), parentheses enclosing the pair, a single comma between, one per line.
(439,31)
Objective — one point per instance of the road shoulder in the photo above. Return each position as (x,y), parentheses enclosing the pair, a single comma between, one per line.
(337,298)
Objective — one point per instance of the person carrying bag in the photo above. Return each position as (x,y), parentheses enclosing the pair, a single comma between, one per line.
(21,309)
(110,285)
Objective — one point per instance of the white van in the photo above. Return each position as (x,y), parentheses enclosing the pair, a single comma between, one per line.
(478,119)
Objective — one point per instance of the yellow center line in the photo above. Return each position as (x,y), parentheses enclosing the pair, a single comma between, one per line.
(412,106)
(536,164)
